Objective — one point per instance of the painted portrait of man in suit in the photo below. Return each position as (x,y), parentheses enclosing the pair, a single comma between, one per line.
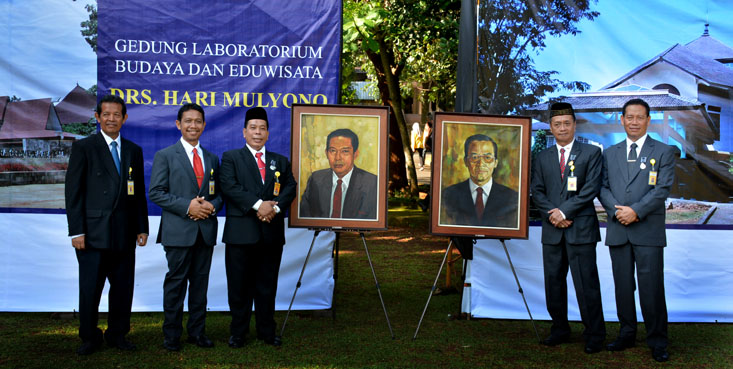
(480,200)
(343,190)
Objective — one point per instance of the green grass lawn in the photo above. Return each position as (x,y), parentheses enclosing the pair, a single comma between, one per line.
(405,260)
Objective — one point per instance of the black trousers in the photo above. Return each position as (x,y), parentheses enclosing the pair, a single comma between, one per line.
(96,266)
(581,259)
(252,272)
(649,261)
(187,267)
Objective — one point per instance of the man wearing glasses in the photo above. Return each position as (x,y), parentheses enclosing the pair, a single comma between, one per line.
(480,201)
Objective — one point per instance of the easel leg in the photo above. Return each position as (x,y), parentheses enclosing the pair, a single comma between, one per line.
(520,289)
(335,274)
(379,291)
(282,330)
(447,251)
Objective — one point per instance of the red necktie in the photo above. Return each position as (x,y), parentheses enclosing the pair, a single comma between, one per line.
(337,201)
(562,163)
(261,165)
(198,169)
(479,202)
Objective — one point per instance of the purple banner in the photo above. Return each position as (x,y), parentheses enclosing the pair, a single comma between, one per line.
(227,56)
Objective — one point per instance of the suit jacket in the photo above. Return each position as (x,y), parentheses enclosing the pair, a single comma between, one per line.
(360,201)
(500,209)
(97,203)
(549,191)
(241,186)
(620,188)
(172,186)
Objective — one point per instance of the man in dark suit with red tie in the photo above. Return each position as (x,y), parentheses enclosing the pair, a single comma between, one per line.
(183,183)
(480,200)
(107,215)
(258,186)
(565,179)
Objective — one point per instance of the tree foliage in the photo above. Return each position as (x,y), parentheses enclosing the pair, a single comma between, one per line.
(403,40)
(510,33)
(89,27)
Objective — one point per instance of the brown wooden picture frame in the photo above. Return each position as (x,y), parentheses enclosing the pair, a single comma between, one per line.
(365,200)
(453,210)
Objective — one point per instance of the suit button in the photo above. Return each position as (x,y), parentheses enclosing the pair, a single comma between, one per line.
(105,192)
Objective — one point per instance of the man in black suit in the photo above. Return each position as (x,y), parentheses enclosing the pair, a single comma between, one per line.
(107,215)
(637,176)
(183,183)
(323,197)
(565,179)
(258,186)
(480,201)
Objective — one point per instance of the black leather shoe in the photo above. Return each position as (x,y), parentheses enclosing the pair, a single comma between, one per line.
(236,342)
(172,344)
(621,344)
(88,347)
(555,339)
(592,348)
(660,354)
(122,344)
(201,341)
(274,341)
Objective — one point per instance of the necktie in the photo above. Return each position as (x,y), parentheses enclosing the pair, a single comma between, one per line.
(337,200)
(562,163)
(632,152)
(198,169)
(479,202)
(261,165)
(115,155)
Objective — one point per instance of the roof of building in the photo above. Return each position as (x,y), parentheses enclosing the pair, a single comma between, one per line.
(699,58)
(3,102)
(614,100)
(77,106)
(29,119)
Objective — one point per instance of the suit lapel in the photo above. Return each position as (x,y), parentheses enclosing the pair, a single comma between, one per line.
(182,158)
(646,152)
(209,160)
(107,160)
(572,158)
(251,164)
(620,159)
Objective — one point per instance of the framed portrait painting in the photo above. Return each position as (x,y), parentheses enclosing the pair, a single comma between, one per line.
(339,155)
(480,180)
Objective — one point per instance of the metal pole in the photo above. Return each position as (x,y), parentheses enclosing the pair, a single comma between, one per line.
(520,289)
(379,291)
(432,289)
(282,330)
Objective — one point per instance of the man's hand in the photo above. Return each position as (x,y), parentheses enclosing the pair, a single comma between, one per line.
(79,242)
(626,215)
(267,212)
(142,239)
(199,208)
(557,220)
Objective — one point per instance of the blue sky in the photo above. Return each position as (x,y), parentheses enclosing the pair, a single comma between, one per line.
(628,33)
(43,52)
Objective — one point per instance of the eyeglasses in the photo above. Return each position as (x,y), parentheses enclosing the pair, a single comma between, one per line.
(474,158)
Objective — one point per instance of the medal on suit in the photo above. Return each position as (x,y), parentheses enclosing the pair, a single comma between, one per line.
(130,183)
(642,166)
(276,191)
(652,174)
(572,180)
(212,183)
